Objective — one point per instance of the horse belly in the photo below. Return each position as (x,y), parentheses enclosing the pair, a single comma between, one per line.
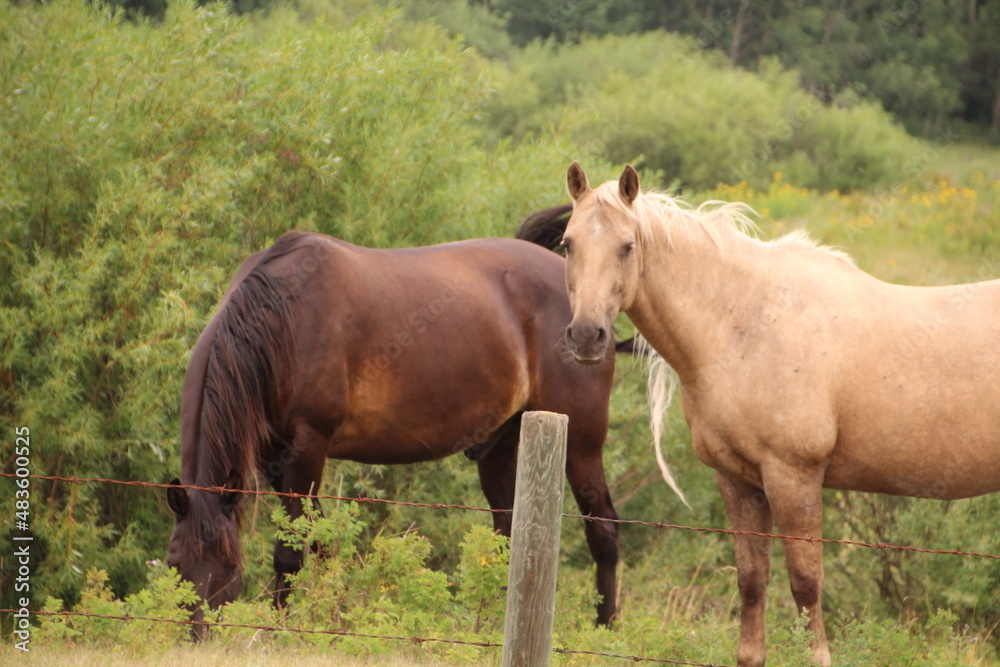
(918,403)
(941,450)
(417,411)
(434,434)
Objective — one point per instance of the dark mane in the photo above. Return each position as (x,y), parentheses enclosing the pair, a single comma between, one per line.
(546,227)
(245,385)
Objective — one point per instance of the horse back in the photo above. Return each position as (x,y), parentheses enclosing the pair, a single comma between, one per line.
(917,391)
(428,348)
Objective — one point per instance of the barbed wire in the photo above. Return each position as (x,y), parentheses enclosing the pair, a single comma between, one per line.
(249,626)
(801,538)
(653,524)
(635,658)
(256,492)
(349,633)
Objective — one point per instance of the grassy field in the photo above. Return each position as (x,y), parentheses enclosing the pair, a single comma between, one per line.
(936,228)
(184,656)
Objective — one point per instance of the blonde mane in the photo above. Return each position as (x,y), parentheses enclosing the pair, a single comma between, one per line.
(655,211)
(661,383)
(800,238)
(659,211)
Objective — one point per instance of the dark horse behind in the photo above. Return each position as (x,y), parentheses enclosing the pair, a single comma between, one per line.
(322,349)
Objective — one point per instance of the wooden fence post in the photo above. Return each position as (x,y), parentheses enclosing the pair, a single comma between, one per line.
(534,540)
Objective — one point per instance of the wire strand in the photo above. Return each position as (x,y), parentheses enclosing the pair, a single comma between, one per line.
(439,506)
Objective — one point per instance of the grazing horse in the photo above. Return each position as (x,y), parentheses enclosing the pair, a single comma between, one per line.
(797,370)
(323,349)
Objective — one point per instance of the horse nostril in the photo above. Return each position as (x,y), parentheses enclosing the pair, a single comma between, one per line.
(601,335)
(569,334)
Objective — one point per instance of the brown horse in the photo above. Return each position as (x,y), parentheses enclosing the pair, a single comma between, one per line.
(322,349)
(797,370)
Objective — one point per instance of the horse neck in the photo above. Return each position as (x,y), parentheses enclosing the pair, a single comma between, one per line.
(694,290)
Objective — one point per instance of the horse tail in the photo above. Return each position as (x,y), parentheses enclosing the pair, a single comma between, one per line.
(546,228)
(247,369)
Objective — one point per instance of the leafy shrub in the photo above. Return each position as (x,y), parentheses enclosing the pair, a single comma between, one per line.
(658,98)
(927,644)
(386,589)
(482,578)
(165,597)
(143,162)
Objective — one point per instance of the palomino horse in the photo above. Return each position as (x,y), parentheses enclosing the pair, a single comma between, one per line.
(322,349)
(797,370)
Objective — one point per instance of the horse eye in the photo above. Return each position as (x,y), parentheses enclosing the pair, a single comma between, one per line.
(627,249)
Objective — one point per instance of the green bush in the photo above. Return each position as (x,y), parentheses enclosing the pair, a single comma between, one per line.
(143,162)
(387,588)
(659,99)
(913,585)
(165,597)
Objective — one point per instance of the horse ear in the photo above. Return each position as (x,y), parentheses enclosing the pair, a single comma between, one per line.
(628,184)
(230,500)
(576,181)
(177,499)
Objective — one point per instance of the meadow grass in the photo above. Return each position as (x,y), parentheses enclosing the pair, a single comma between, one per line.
(186,655)
(941,226)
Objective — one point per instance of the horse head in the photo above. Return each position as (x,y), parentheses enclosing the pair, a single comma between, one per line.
(602,265)
(204,547)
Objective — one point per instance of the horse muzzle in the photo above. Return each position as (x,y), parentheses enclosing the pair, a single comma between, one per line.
(588,341)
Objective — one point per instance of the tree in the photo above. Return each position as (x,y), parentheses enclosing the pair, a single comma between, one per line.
(923,61)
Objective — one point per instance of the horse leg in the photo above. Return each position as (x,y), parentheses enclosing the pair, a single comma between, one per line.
(498,473)
(590,488)
(297,469)
(748,509)
(797,501)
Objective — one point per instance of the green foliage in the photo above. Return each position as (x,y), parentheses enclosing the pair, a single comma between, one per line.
(792,642)
(927,644)
(165,597)
(386,589)
(915,586)
(144,162)
(924,62)
(482,578)
(472,23)
(939,228)
(658,99)
(335,533)
(55,629)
